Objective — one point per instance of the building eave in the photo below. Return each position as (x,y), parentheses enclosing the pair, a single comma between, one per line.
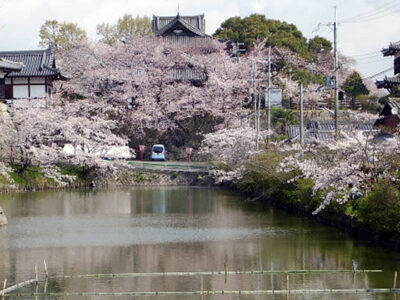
(393,49)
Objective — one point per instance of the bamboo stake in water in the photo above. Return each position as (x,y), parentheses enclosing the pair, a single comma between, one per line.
(213,273)
(226,271)
(395,280)
(45,286)
(17,286)
(287,283)
(217,292)
(45,269)
(202,286)
(4,285)
(36,274)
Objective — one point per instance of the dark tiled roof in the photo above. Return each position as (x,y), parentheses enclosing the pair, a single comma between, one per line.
(393,105)
(194,24)
(194,21)
(36,62)
(388,82)
(10,66)
(392,50)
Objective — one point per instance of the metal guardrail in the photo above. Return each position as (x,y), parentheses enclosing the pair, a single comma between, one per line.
(171,166)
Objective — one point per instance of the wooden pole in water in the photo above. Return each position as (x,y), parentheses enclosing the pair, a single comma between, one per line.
(36,275)
(216,292)
(45,286)
(202,286)
(226,271)
(395,280)
(4,285)
(17,286)
(45,269)
(213,273)
(287,283)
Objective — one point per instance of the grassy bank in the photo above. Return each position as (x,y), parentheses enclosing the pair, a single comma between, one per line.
(31,178)
(375,216)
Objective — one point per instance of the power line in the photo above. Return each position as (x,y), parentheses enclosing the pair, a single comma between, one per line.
(378,74)
(377,17)
(369,57)
(384,10)
(371,61)
(366,55)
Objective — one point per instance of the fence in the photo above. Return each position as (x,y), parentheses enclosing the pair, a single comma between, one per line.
(202,291)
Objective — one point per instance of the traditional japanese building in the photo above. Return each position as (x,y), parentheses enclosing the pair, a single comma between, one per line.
(180,29)
(392,84)
(7,67)
(389,118)
(35,78)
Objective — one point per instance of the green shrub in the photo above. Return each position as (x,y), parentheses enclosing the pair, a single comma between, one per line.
(262,177)
(300,194)
(380,209)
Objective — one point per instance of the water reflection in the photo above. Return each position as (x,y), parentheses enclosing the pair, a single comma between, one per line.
(175,229)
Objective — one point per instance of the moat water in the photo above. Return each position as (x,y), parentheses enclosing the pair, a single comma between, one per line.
(178,229)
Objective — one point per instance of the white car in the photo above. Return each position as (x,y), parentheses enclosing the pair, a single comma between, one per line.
(158,152)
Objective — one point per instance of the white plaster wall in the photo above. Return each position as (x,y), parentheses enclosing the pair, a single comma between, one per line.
(38,91)
(37,80)
(20,80)
(20,91)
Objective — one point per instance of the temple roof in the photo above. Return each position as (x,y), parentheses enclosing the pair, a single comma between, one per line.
(388,82)
(34,62)
(392,49)
(194,24)
(10,66)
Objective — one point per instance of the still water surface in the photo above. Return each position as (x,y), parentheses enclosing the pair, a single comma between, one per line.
(178,229)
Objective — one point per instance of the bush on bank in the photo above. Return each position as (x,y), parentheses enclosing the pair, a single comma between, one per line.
(262,180)
(28,177)
(378,211)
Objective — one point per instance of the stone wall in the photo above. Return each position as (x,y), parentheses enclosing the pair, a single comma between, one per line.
(142,177)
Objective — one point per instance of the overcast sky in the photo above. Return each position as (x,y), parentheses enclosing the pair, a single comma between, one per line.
(371,24)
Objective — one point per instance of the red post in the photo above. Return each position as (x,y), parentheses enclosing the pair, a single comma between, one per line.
(189,154)
(142,148)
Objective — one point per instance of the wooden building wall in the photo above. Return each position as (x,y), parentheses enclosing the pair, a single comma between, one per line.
(27,87)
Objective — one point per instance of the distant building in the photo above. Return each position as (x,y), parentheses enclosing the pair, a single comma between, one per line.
(180,29)
(392,84)
(318,131)
(35,78)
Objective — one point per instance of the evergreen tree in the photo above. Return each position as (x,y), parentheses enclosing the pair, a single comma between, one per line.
(354,86)
(278,33)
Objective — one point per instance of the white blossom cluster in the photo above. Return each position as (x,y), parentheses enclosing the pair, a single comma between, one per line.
(222,176)
(54,173)
(232,145)
(44,134)
(5,172)
(353,163)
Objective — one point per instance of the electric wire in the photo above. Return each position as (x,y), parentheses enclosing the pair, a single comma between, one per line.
(384,10)
(380,73)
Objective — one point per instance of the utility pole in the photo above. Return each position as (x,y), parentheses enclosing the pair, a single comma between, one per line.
(336,69)
(301,115)
(258,122)
(255,99)
(254,94)
(269,95)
